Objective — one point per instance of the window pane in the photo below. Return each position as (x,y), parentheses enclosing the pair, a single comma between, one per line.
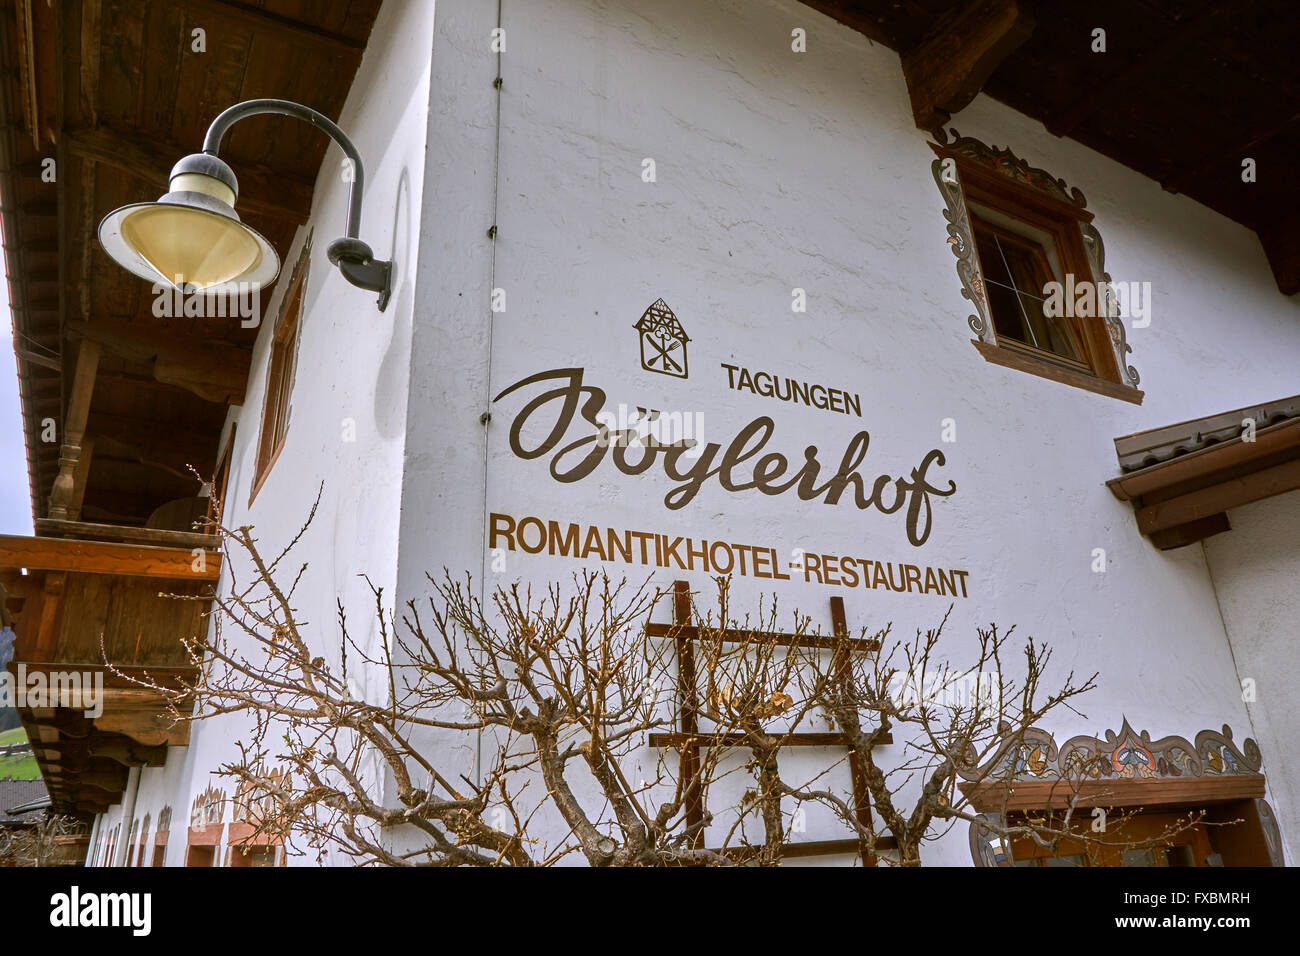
(1015,273)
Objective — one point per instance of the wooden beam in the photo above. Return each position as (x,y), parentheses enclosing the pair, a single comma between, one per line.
(150,727)
(98,557)
(1190,533)
(81,476)
(946,70)
(90,35)
(273,24)
(688,762)
(212,371)
(1220,497)
(114,781)
(1231,454)
(262,191)
(46,632)
(996,796)
(48,527)
(706,739)
(26,43)
(44,361)
(741,636)
(64,491)
(857,772)
(163,459)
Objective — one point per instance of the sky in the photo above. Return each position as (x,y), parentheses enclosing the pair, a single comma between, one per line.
(15,500)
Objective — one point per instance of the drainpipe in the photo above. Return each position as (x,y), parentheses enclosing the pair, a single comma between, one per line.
(128,817)
(94,835)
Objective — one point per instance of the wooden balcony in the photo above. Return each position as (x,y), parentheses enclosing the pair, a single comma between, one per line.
(79,605)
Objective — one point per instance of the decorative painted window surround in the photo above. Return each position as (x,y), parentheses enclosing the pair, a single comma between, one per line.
(206,828)
(161,835)
(1126,770)
(968,170)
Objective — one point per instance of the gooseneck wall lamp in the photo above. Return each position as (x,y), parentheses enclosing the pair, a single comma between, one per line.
(192,238)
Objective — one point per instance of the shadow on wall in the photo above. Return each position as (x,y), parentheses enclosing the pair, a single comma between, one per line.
(391,383)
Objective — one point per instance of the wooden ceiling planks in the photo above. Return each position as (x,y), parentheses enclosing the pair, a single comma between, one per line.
(1183,94)
(118,91)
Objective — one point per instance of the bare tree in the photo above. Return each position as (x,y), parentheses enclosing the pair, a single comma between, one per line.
(511,727)
(960,725)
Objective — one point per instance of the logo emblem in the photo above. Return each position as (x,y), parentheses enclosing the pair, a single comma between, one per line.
(663,341)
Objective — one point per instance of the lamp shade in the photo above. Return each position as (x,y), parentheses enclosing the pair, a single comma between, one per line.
(191,238)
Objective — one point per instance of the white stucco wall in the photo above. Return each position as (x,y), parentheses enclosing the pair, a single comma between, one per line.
(1255,568)
(775,171)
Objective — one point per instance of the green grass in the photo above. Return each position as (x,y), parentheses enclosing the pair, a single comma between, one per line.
(20,767)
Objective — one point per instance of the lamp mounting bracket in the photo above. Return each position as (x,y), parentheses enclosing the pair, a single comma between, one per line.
(353,257)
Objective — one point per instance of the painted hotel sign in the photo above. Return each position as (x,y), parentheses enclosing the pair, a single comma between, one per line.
(561,424)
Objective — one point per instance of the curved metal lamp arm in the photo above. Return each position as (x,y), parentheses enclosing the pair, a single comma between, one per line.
(353,257)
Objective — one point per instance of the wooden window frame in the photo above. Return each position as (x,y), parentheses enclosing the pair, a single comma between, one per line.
(1060,221)
(278,393)
(998,181)
(221,483)
(158,856)
(1070,326)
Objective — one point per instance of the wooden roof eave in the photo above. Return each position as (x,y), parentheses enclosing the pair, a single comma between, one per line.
(103,557)
(1187,498)
(83,606)
(1204,462)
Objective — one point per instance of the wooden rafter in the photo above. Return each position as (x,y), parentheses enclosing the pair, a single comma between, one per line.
(64,494)
(946,70)
(262,192)
(212,371)
(272,24)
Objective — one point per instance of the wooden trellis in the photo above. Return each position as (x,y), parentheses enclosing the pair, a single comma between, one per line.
(688,740)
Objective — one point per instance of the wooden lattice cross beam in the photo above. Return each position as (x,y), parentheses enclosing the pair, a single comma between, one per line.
(688,738)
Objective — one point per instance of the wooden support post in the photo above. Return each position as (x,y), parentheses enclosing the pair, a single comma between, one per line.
(46,628)
(688,739)
(64,491)
(861,796)
(689,763)
(80,476)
